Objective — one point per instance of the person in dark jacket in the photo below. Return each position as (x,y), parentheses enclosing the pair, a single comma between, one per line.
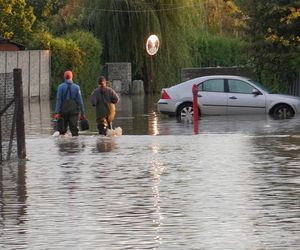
(104,98)
(68,104)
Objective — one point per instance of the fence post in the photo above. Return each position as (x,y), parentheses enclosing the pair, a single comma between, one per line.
(19,106)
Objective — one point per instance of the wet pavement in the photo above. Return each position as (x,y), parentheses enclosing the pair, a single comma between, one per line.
(234,185)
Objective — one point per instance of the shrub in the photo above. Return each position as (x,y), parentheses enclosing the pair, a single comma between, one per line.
(65,55)
(212,50)
(91,50)
(78,51)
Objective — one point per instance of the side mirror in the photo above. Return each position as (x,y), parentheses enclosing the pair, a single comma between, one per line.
(256,92)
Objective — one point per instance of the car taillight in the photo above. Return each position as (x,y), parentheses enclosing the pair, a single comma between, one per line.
(164,95)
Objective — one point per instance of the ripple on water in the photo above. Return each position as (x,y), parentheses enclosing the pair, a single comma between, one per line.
(206,191)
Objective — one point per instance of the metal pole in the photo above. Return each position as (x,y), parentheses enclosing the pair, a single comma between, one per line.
(195,107)
(150,81)
(19,109)
(0,141)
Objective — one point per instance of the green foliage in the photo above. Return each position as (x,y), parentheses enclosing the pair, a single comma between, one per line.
(91,50)
(58,16)
(77,51)
(45,8)
(213,50)
(68,18)
(65,55)
(273,33)
(16,20)
(296,62)
(40,39)
(124,26)
(186,29)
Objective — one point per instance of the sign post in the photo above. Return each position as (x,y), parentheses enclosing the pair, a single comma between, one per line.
(152,46)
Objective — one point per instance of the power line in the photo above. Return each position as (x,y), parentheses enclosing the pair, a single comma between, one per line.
(143,10)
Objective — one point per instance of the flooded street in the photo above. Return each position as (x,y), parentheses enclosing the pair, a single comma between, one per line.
(234,185)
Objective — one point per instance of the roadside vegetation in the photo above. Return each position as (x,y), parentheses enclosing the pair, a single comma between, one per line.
(85,34)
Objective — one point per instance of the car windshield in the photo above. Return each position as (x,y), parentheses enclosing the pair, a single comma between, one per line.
(261,86)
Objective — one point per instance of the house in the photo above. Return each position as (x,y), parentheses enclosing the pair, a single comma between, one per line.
(7,45)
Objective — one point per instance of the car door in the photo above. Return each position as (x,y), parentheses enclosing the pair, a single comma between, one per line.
(212,98)
(242,100)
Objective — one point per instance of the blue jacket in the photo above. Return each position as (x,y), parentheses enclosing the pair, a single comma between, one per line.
(75,95)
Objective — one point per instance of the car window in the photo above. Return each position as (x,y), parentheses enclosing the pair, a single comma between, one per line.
(261,86)
(214,85)
(237,86)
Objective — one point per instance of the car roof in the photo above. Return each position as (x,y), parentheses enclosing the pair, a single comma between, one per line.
(201,78)
(208,77)
(197,80)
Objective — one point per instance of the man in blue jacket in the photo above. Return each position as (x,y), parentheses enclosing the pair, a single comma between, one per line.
(68,104)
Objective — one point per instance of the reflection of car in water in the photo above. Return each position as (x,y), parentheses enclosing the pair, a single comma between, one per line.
(226,95)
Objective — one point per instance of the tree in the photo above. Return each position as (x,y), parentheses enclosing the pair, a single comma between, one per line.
(16,20)
(124,26)
(272,27)
(43,9)
(58,16)
(221,17)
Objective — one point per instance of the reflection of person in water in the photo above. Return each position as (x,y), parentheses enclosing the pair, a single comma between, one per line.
(105,145)
(70,145)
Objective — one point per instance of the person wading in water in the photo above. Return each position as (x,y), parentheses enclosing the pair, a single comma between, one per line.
(68,104)
(104,99)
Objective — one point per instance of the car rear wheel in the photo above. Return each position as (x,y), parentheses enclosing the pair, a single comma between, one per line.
(186,112)
(283,111)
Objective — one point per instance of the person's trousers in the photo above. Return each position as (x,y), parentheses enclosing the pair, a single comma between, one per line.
(103,125)
(70,121)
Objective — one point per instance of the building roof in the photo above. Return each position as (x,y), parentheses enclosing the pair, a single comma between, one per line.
(7,41)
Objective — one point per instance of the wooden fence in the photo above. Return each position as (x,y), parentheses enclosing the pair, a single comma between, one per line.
(35,65)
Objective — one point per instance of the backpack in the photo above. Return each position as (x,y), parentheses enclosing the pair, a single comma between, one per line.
(69,106)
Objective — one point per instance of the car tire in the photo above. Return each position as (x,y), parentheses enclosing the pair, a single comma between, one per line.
(283,111)
(186,112)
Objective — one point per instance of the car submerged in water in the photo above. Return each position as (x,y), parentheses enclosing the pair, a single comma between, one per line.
(226,95)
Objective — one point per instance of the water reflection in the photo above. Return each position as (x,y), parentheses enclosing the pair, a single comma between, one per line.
(13,198)
(69,145)
(235,185)
(105,144)
(134,114)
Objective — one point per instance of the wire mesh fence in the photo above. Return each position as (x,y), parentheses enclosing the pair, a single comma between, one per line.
(294,88)
(12,135)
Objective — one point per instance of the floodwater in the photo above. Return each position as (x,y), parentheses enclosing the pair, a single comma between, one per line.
(234,185)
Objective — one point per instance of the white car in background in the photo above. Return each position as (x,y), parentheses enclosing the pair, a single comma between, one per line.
(226,95)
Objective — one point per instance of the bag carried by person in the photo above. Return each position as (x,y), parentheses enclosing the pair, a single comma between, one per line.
(84,125)
(58,125)
(112,112)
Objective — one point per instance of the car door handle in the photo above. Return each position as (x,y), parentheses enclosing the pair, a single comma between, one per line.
(199,95)
(232,97)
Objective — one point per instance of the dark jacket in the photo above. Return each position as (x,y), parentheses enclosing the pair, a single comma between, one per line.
(102,99)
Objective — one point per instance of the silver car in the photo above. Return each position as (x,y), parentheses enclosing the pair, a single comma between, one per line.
(226,95)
